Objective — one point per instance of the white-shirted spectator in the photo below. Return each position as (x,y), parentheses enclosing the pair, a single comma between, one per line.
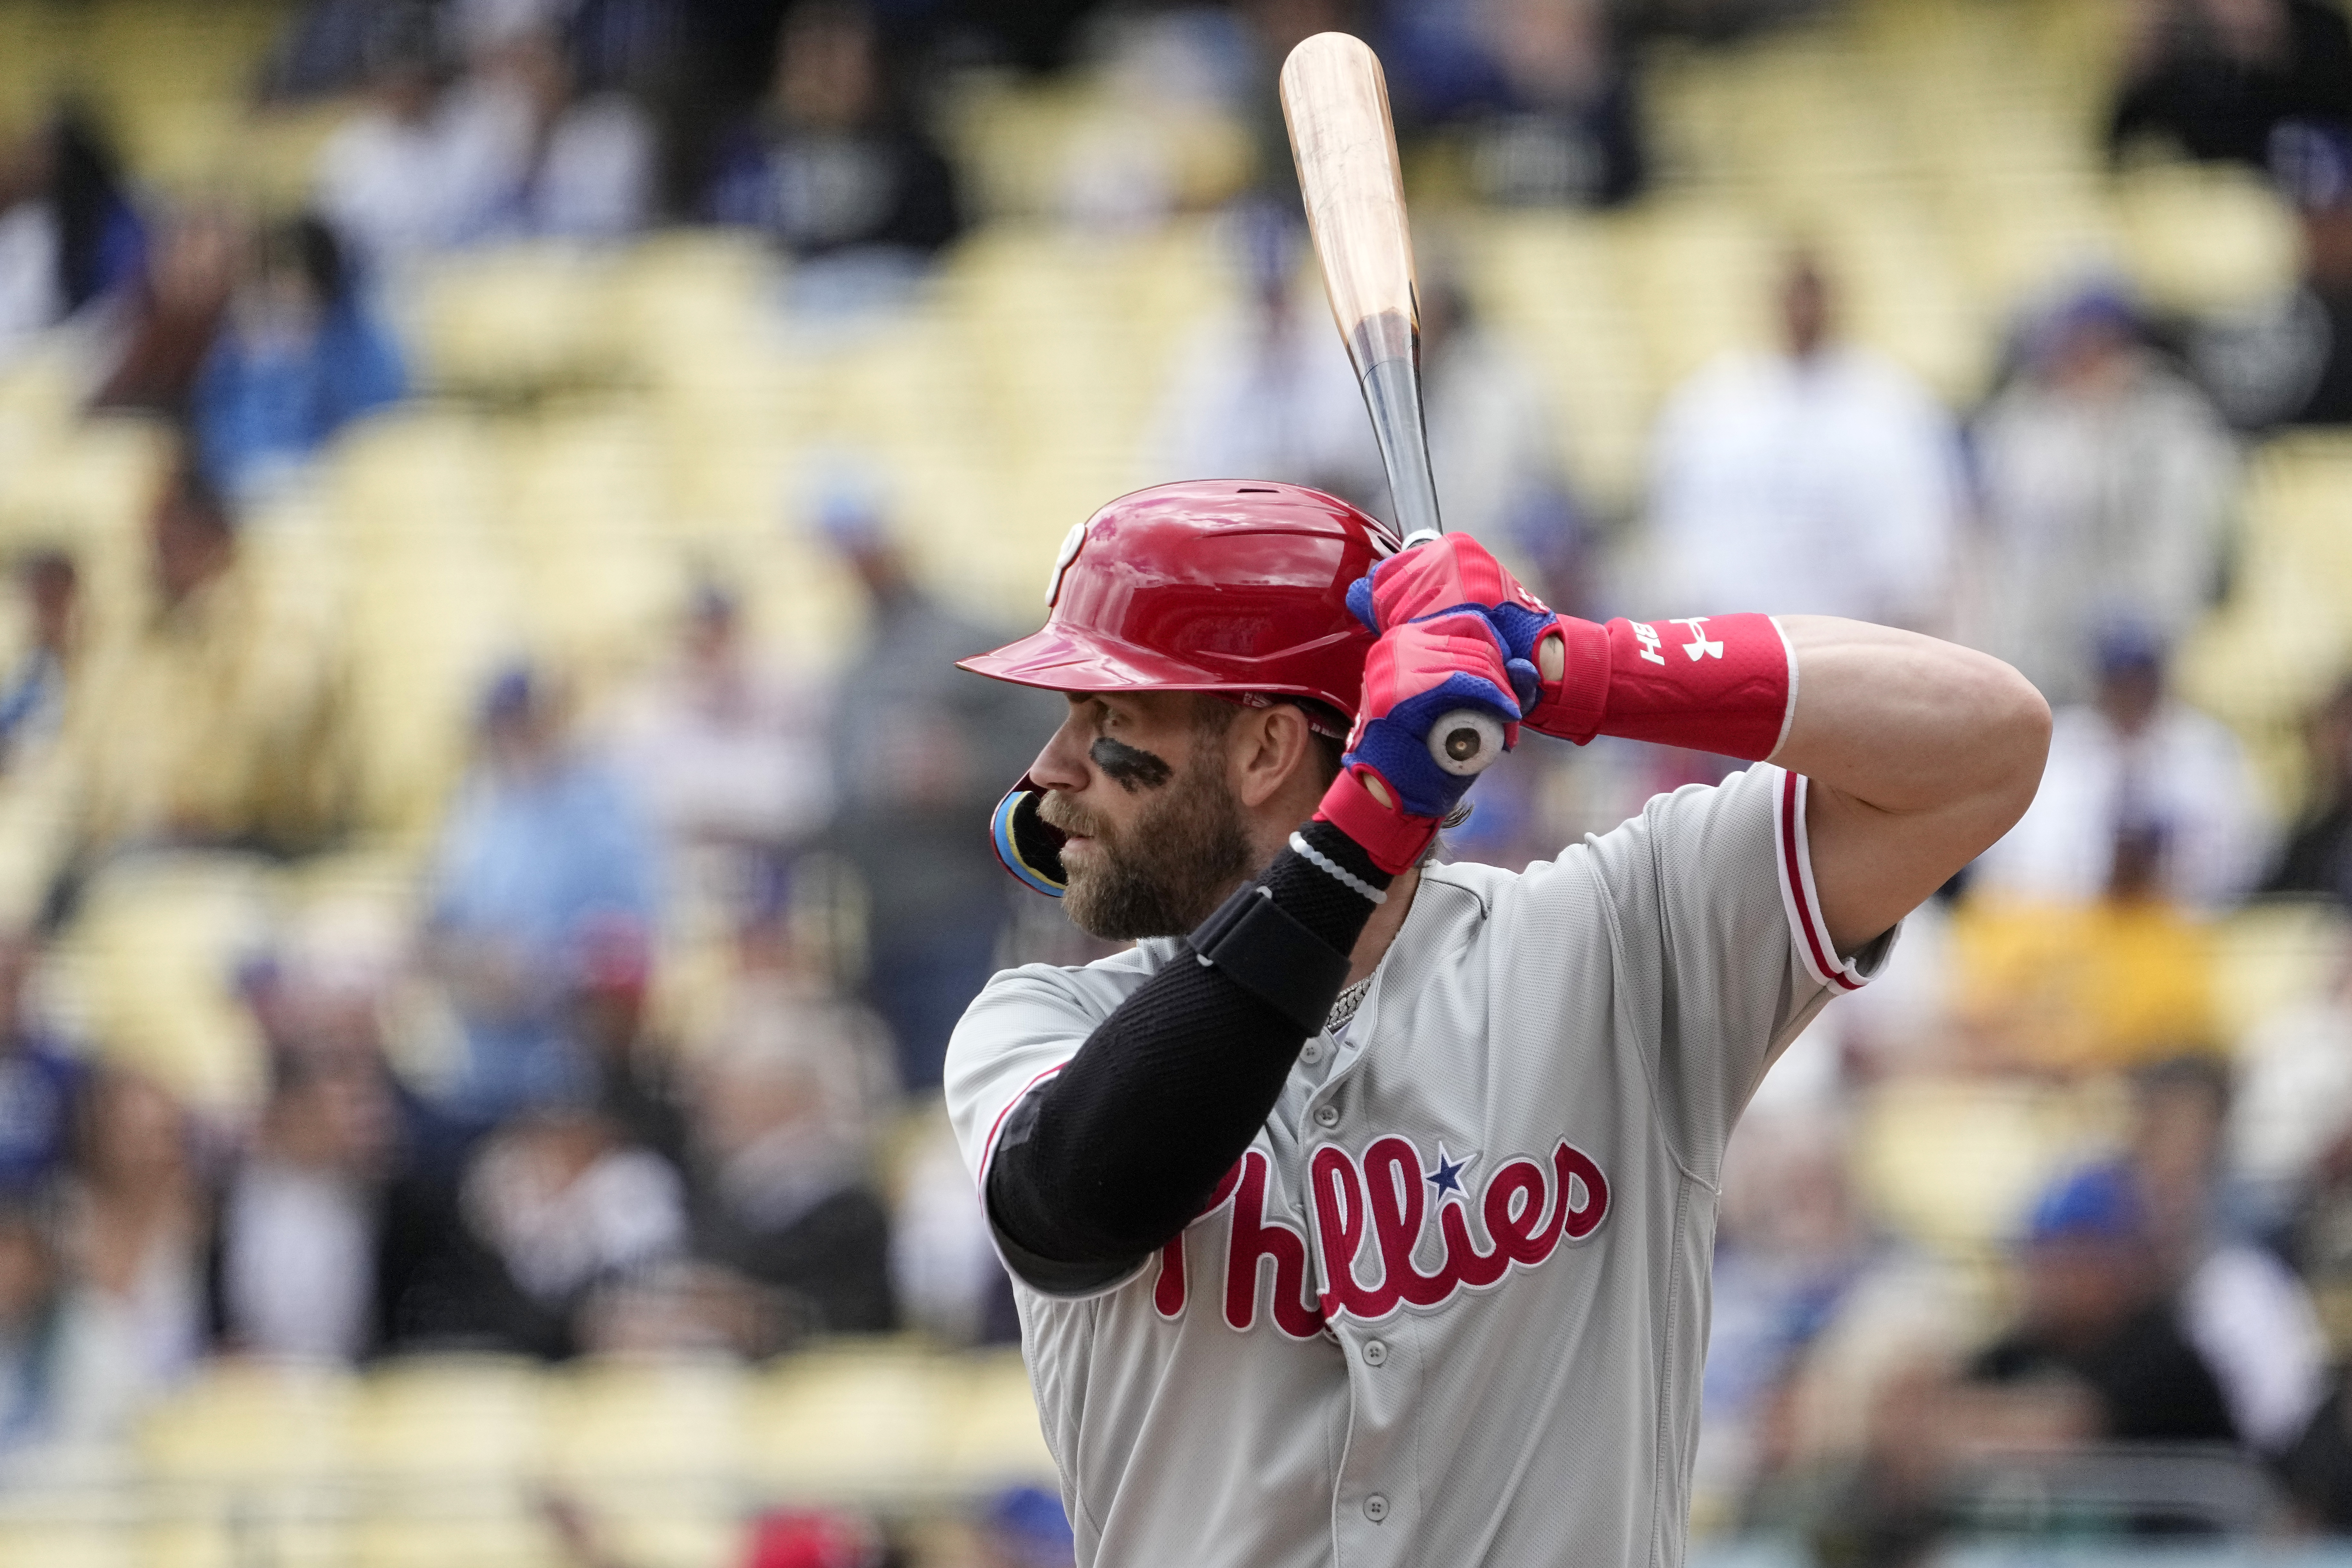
(2107,480)
(1265,392)
(1821,478)
(2135,758)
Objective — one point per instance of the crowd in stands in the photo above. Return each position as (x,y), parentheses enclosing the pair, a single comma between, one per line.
(584,1173)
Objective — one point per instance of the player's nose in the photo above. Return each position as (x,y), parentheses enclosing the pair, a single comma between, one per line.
(1063,764)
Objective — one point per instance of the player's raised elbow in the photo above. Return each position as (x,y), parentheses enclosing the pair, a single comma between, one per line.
(2008,728)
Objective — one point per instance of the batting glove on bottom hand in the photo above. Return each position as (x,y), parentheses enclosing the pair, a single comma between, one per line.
(1437,708)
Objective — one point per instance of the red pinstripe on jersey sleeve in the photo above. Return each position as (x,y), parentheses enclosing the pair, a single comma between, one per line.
(996,1128)
(1797,895)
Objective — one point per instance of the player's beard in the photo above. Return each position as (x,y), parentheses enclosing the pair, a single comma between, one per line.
(1164,873)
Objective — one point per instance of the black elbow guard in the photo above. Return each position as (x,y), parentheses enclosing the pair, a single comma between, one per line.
(1266,951)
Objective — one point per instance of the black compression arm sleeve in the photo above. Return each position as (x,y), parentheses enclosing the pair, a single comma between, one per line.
(1119,1152)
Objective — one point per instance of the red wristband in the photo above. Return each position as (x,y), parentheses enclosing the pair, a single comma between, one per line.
(1394,840)
(1725,684)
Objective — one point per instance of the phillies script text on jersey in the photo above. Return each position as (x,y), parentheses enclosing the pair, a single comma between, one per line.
(1526,1209)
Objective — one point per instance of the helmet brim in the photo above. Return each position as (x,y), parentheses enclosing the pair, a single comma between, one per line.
(1067,658)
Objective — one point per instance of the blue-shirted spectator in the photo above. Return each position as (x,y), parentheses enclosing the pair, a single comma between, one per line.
(298,358)
(543,848)
(68,232)
(39,1084)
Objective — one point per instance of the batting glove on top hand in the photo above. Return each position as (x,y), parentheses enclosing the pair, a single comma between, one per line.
(1454,572)
(1437,708)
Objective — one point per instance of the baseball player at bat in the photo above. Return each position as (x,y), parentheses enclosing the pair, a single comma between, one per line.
(1361,1212)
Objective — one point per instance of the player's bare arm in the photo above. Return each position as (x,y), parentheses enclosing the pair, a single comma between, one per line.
(1921,755)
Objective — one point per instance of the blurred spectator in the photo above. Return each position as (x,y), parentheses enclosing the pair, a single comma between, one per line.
(1823,478)
(297,357)
(1025,1527)
(68,232)
(326,46)
(135,1237)
(835,164)
(1550,110)
(39,1084)
(34,1326)
(780,1161)
(172,318)
(1791,1246)
(32,691)
(2318,857)
(559,1206)
(1266,393)
(721,748)
(301,1218)
(2288,360)
(2214,78)
(943,1266)
(2248,1315)
(922,752)
(2135,755)
(556,162)
(814,1538)
(2096,1310)
(543,846)
(1493,431)
(219,721)
(2107,481)
(418,167)
(2293,1112)
(2091,985)
(635,1077)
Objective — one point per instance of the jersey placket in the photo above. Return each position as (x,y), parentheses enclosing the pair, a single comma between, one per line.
(1374,1499)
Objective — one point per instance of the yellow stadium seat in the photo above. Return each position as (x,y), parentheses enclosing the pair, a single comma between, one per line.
(1954,1164)
(152,958)
(2275,955)
(518,317)
(995,1441)
(2206,237)
(857,1423)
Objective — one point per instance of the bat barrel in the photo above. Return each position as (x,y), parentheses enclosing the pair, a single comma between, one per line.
(1336,103)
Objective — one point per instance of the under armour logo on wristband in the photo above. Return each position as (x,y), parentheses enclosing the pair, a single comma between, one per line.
(1699,647)
(1647,636)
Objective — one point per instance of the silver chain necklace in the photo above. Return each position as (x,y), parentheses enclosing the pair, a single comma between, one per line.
(1344,1007)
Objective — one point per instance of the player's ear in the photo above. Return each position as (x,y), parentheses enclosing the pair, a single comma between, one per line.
(1274,747)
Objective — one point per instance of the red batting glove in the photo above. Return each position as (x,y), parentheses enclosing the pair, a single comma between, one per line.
(1397,783)
(1712,683)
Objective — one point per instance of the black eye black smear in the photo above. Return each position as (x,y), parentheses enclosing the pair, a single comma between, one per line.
(1129,768)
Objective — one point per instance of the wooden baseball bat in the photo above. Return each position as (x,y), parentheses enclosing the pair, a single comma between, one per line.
(1336,103)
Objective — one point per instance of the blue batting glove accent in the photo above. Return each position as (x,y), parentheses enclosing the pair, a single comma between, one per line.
(1398,743)
(1359,602)
(1527,684)
(1518,628)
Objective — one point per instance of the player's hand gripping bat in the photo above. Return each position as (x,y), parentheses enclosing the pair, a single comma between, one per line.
(1336,103)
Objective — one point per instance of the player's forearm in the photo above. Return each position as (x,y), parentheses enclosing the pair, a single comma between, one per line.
(1910,725)
(1120,1151)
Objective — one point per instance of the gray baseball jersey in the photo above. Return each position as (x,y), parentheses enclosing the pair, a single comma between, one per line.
(1451,1305)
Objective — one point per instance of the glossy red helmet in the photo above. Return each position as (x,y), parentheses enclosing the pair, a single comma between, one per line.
(1236,585)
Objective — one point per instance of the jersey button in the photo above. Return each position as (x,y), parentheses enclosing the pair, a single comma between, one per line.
(1376,1508)
(1326,1116)
(1375,1353)
(1312,1054)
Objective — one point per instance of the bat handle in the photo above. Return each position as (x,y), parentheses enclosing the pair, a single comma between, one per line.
(1392,393)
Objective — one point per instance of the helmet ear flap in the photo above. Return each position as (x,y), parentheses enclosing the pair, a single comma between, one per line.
(1029,846)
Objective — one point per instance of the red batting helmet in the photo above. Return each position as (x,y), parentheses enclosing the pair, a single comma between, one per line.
(1235,585)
